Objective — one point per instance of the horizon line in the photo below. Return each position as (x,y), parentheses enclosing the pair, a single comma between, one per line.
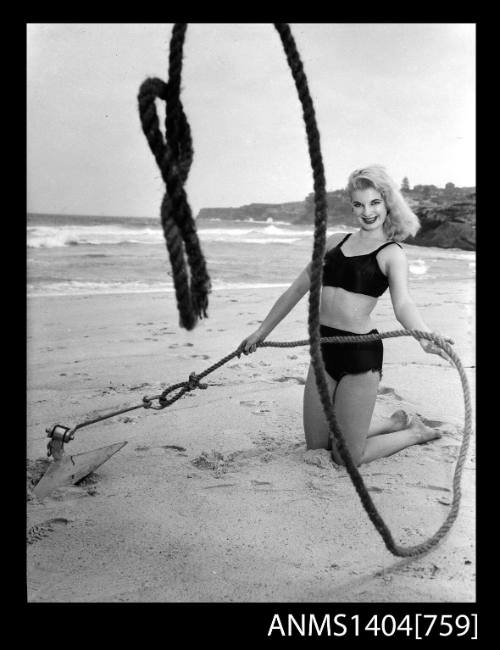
(136,216)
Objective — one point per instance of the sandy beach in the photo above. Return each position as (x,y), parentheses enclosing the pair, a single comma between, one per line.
(215,499)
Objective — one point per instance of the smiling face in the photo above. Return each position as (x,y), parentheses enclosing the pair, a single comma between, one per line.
(369,208)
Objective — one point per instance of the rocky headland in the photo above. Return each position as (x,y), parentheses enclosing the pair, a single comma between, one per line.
(447,215)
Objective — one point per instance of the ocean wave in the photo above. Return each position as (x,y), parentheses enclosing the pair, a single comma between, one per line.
(232,234)
(49,236)
(267,235)
(250,220)
(418,267)
(53,237)
(78,288)
(256,240)
(435,253)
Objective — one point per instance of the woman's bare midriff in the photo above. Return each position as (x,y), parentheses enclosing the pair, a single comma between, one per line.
(345,310)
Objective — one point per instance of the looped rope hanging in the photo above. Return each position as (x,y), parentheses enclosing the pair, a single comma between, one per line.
(174,154)
(320,222)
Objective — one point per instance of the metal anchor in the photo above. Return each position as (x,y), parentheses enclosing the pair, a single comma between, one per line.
(67,469)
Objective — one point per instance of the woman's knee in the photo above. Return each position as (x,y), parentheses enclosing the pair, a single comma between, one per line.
(315,425)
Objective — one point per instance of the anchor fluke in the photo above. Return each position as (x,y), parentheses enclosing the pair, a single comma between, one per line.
(71,468)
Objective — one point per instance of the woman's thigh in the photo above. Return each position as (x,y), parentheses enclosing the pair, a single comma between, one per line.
(316,429)
(354,402)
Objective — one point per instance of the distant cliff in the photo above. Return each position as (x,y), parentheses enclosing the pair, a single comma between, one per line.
(447,226)
(257,211)
(447,215)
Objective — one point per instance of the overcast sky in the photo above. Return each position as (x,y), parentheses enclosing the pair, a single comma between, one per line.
(402,95)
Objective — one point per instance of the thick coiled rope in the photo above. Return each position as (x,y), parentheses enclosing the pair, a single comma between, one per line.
(174,155)
(320,223)
(174,159)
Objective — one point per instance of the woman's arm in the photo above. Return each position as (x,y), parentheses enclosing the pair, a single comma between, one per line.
(405,309)
(285,303)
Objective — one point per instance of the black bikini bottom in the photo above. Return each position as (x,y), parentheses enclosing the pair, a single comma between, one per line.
(342,359)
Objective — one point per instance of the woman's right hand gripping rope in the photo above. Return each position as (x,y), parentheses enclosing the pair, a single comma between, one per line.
(249,344)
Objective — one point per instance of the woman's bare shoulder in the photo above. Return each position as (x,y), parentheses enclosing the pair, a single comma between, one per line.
(392,259)
(394,252)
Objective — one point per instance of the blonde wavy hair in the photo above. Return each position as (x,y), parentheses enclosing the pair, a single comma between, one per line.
(401,221)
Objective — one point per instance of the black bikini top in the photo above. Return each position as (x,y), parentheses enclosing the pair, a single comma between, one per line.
(357,273)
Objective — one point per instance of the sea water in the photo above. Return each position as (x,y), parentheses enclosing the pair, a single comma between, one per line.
(86,255)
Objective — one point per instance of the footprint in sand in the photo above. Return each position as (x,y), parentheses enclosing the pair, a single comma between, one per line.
(431,423)
(385,390)
(259,411)
(424,486)
(175,447)
(254,402)
(298,380)
(219,485)
(39,531)
(214,461)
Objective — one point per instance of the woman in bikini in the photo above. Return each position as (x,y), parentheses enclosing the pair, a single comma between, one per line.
(357,270)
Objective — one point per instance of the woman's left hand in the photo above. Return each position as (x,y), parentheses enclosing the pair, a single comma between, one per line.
(432,348)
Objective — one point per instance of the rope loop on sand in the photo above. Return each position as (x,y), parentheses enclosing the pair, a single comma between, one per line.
(357,480)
